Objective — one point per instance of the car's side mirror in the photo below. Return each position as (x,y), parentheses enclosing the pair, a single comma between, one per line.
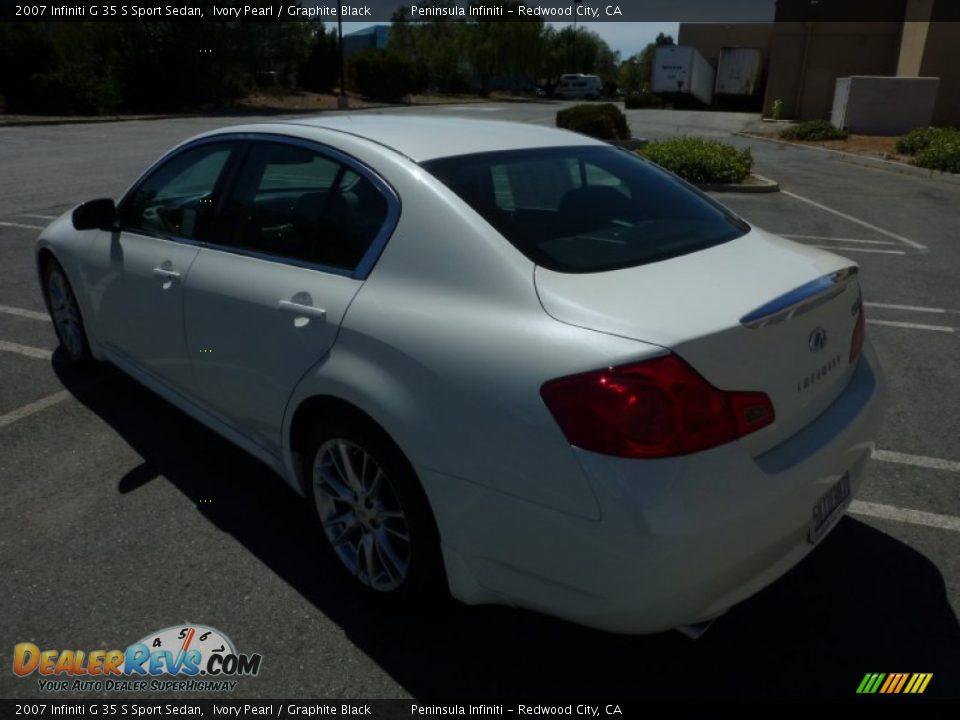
(95,215)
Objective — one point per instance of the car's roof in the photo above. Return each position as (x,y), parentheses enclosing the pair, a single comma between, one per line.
(426,138)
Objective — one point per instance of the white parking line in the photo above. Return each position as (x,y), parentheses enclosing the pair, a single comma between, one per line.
(858,221)
(912,308)
(857,249)
(39,217)
(905,515)
(32,314)
(913,326)
(34,407)
(21,225)
(923,461)
(836,239)
(33,352)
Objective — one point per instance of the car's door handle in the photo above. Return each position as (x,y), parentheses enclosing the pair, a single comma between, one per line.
(303,310)
(164,274)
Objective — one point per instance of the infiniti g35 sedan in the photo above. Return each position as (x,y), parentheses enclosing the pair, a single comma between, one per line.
(504,361)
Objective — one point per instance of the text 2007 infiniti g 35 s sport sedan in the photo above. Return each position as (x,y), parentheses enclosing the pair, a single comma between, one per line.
(506,360)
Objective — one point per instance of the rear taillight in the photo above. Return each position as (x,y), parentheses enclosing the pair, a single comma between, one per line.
(856,342)
(651,409)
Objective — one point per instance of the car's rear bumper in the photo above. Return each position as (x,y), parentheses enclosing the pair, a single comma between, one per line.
(679,541)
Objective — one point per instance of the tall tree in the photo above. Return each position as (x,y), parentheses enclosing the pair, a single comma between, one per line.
(636,72)
(576,51)
(509,50)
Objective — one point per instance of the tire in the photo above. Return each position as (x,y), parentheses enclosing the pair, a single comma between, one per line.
(65,313)
(382,531)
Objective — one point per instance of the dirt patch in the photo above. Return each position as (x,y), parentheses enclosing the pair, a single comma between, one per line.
(884,148)
(881,147)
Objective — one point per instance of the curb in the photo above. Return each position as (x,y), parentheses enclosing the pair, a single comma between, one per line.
(86,120)
(867,161)
(766,185)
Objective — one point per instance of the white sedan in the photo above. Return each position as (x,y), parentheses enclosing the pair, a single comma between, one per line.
(503,360)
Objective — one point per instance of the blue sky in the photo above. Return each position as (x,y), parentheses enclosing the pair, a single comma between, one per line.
(627,37)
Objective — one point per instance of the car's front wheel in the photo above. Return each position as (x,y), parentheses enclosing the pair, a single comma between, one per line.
(373,511)
(65,312)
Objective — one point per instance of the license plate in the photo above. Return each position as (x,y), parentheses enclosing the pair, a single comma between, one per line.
(829,508)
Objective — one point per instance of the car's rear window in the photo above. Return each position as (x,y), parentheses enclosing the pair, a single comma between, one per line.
(587,209)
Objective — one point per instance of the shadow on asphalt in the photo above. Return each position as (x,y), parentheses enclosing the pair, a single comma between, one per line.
(863,602)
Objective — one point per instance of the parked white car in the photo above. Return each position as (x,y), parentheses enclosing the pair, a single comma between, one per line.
(502,359)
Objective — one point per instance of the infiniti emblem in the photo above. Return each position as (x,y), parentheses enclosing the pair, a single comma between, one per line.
(817,340)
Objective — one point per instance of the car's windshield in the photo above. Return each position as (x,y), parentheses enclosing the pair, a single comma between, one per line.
(586,209)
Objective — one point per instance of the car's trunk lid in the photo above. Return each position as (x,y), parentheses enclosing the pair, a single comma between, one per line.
(758,313)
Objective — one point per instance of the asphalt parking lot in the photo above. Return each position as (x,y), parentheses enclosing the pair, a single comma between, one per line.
(121,515)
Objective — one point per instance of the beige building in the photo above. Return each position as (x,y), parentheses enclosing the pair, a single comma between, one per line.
(804,59)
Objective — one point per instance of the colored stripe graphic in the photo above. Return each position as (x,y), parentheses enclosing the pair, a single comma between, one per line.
(870,683)
(892,679)
(894,683)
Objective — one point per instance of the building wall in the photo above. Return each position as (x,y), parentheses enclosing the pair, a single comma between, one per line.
(912,43)
(708,38)
(804,59)
(941,58)
(807,58)
(914,38)
(375,36)
(872,105)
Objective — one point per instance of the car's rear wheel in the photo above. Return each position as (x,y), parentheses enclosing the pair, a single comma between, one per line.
(373,512)
(65,313)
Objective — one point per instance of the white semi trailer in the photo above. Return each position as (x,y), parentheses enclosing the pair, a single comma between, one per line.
(738,71)
(680,72)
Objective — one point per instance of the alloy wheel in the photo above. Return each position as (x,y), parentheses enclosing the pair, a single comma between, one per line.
(66,314)
(361,514)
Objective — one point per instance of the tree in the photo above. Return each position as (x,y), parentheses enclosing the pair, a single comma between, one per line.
(382,75)
(156,66)
(504,49)
(319,71)
(435,48)
(636,72)
(576,51)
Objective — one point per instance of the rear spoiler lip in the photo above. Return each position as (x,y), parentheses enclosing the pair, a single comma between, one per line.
(800,300)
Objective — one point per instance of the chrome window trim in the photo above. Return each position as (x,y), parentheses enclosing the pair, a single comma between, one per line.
(800,300)
(374,250)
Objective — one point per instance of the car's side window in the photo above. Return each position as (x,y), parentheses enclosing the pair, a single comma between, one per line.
(177,199)
(294,202)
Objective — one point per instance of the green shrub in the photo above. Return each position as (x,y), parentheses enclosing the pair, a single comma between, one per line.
(813,130)
(634,101)
(698,160)
(72,93)
(943,153)
(915,141)
(383,75)
(921,138)
(604,121)
(776,111)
